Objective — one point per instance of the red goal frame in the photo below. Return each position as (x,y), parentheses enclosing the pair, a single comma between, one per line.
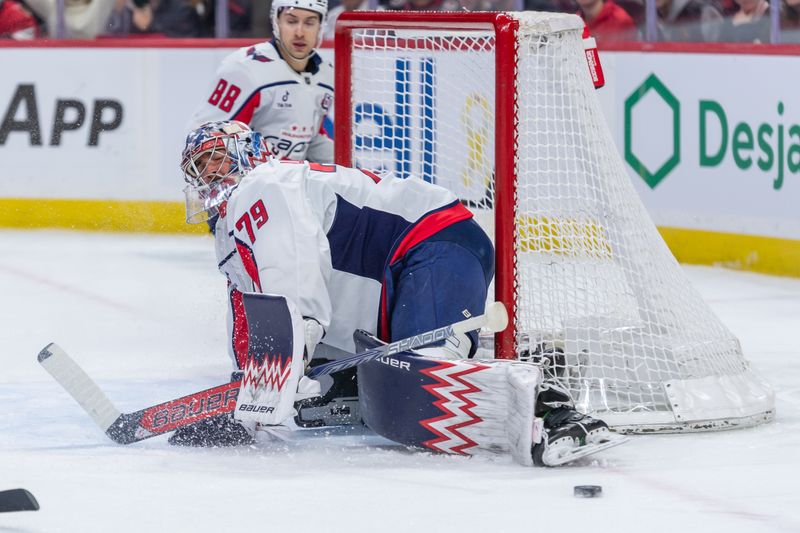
(505,151)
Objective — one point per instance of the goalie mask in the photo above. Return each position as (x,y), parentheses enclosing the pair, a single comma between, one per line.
(317,6)
(216,157)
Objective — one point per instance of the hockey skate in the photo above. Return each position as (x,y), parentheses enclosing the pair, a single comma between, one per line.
(569,435)
(566,434)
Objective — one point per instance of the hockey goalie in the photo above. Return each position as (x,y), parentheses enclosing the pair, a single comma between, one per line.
(319,252)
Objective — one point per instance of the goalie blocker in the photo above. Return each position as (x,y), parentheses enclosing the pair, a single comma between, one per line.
(275,362)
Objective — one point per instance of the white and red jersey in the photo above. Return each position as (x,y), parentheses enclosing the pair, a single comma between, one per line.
(292,110)
(324,235)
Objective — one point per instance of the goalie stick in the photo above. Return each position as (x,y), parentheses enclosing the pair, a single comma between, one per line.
(494,319)
(17,500)
(127,428)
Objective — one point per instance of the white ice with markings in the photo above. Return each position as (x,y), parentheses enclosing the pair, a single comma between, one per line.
(144,315)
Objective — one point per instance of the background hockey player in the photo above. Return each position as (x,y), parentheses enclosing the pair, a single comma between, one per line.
(313,251)
(281,88)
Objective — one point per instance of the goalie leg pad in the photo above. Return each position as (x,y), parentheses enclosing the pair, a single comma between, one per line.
(477,407)
(451,406)
(276,341)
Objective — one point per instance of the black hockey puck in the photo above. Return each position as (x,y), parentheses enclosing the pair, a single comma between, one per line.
(588,491)
(17,500)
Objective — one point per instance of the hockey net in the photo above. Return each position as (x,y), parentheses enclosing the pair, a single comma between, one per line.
(500,109)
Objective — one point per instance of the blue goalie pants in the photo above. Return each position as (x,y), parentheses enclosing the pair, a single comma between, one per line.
(438,282)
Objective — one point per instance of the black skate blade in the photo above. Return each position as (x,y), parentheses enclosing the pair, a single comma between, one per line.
(17,500)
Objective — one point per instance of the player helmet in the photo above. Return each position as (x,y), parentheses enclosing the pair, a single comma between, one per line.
(216,157)
(317,6)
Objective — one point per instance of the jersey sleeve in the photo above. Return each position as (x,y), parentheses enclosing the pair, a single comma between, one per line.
(232,95)
(282,246)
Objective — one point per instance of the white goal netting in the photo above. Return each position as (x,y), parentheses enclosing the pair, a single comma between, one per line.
(595,289)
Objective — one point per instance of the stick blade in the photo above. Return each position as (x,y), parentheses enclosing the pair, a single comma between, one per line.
(17,500)
(79,385)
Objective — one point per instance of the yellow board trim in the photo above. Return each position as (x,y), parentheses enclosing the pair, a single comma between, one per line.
(96,215)
(768,255)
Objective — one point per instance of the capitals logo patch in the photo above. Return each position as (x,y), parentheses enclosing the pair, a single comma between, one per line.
(254,55)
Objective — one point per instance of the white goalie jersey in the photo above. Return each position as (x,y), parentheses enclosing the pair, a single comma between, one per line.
(323,236)
(292,111)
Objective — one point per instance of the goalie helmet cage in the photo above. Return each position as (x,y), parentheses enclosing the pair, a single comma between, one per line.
(500,109)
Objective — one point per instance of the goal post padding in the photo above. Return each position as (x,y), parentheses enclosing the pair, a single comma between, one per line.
(500,108)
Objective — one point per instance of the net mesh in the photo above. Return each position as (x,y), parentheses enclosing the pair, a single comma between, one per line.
(598,294)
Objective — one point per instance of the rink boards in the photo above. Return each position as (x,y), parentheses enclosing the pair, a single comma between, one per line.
(91,135)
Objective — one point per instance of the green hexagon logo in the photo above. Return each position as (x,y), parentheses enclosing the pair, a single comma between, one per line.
(653,178)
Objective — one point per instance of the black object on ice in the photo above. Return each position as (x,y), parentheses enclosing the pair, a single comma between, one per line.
(588,491)
(17,500)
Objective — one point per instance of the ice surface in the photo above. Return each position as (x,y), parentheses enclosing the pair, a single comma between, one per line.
(144,315)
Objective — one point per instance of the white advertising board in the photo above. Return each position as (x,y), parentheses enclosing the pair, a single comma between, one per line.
(711,142)
(98,123)
(109,123)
